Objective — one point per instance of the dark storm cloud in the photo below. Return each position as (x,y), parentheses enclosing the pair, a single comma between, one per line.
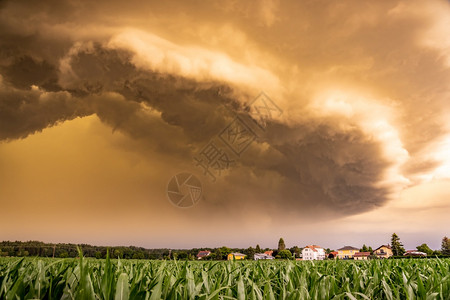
(23,112)
(311,161)
(302,165)
(314,161)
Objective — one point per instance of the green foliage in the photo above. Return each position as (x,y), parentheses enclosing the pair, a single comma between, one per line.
(396,245)
(285,254)
(364,248)
(84,278)
(36,248)
(281,245)
(222,253)
(250,252)
(117,253)
(445,247)
(424,248)
(295,251)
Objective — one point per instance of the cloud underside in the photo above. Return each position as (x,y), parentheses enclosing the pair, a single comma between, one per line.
(321,155)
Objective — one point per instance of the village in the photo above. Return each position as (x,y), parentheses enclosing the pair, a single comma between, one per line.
(315,252)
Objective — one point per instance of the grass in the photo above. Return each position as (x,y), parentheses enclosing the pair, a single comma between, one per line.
(81,278)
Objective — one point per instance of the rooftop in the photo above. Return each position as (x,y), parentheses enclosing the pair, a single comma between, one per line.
(348,248)
(386,246)
(203,253)
(314,247)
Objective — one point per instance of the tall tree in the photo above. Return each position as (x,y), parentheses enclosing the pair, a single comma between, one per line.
(445,247)
(281,245)
(396,245)
(218,254)
(258,249)
(364,248)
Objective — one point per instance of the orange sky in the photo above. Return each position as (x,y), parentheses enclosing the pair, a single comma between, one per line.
(101,104)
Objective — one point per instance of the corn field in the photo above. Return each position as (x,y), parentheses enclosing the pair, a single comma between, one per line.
(81,278)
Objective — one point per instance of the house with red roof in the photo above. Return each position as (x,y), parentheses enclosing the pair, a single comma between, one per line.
(333,255)
(361,255)
(202,254)
(313,252)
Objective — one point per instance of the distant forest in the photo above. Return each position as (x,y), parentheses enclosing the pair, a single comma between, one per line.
(36,248)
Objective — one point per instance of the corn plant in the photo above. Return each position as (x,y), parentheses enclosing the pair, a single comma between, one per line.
(83,278)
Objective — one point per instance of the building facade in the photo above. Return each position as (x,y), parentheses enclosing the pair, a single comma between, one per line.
(384,251)
(235,256)
(361,255)
(313,252)
(202,254)
(347,252)
(333,255)
(259,256)
(415,253)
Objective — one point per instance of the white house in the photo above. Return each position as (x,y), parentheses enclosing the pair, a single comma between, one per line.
(313,252)
(259,256)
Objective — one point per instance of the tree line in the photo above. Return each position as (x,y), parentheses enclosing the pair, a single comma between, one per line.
(62,250)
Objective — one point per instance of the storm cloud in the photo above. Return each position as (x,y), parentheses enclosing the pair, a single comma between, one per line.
(362,86)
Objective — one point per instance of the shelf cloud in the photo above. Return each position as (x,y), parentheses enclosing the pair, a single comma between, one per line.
(360,90)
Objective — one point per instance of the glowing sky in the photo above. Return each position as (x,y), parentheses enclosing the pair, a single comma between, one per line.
(102,103)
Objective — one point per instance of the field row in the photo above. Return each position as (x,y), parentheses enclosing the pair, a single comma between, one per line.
(82,278)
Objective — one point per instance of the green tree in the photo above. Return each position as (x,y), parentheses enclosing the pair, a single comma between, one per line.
(364,248)
(370,250)
(117,253)
(140,255)
(218,254)
(281,245)
(396,245)
(250,252)
(425,249)
(285,254)
(184,255)
(258,249)
(445,246)
(295,251)
(223,252)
